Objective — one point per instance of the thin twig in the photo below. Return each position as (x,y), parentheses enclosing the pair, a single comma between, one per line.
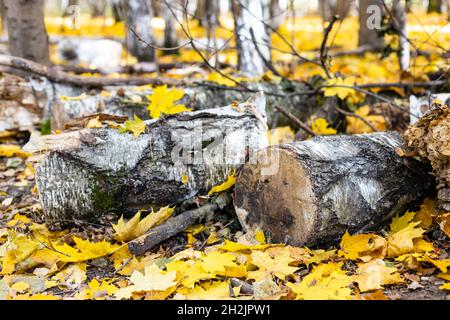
(354,115)
(296,120)
(323,52)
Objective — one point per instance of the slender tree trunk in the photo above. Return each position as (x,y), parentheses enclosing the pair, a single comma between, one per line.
(27,34)
(138,19)
(200,12)
(330,8)
(252,38)
(370,19)
(98,7)
(434,6)
(211,26)
(170,33)
(399,13)
(276,17)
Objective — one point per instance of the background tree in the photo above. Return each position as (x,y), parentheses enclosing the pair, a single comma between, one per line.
(252,38)
(330,8)
(138,19)
(170,32)
(370,20)
(399,22)
(27,35)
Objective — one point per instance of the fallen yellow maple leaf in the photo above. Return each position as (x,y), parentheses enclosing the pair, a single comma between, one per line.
(356,125)
(374,274)
(215,290)
(135,227)
(10,150)
(324,282)
(136,126)
(403,231)
(153,279)
(339,87)
(231,180)
(362,246)
(268,266)
(321,126)
(162,101)
(94,124)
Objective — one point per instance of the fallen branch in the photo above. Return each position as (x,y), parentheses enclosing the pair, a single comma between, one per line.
(175,225)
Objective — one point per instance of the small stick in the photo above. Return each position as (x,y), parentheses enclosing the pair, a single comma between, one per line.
(175,225)
(354,115)
(296,120)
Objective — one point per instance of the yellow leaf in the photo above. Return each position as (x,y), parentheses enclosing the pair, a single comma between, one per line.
(259,236)
(426,213)
(321,127)
(10,150)
(136,126)
(356,125)
(234,246)
(320,255)
(98,290)
(403,231)
(76,98)
(94,124)
(375,274)
(20,286)
(189,272)
(222,80)
(162,101)
(215,290)
(445,286)
(280,135)
(442,265)
(268,266)
(184,179)
(135,227)
(444,223)
(153,279)
(83,250)
(339,87)
(231,180)
(216,262)
(324,282)
(38,296)
(362,246)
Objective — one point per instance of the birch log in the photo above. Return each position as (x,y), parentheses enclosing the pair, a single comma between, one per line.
(197,97)
(88,172)
(312,191)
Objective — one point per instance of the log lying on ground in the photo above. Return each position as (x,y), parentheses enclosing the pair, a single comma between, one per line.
(197,96)
(312,191)
(88,172)
(429,139)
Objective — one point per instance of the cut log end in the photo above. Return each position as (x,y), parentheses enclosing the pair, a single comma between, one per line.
(311,192)
(287,207)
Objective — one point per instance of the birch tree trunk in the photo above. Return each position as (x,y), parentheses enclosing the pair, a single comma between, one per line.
(252,38)
(26,30)
(89,172)
(399,14)
(170,32)
(139,17)
(311,192)
(370,19)
(330,8)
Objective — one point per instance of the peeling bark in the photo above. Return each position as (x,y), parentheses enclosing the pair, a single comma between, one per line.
(312,191)
(88,172)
